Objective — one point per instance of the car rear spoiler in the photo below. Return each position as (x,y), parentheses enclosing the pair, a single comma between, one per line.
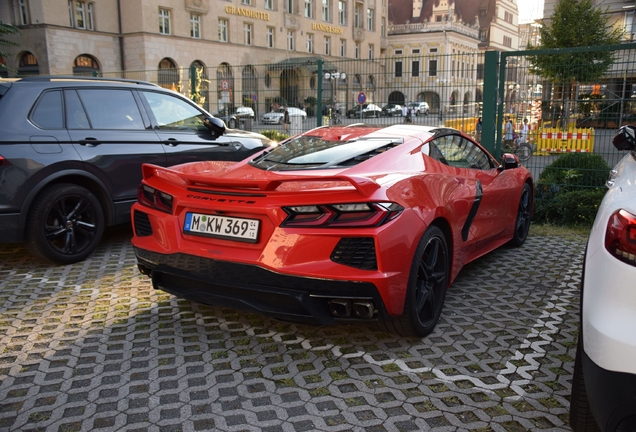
(363,185)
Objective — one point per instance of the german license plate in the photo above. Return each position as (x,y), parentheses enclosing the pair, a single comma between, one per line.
(230,228)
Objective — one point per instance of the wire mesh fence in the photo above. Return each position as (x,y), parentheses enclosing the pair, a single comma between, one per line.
(572,100)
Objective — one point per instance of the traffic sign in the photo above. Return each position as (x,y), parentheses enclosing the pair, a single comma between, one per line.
(362,98)
(254,97)
(225,85)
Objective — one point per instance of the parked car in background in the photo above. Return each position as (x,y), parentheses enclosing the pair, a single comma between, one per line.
(392,110)
(71,151)
(604,381)
(313,230)
(420,108)
(276,116)
(364,110)
(233,121)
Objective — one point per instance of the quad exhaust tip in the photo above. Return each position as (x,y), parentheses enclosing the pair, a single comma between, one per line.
(344,308)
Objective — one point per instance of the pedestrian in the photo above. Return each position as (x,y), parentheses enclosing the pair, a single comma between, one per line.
(508,134)
(524,132)
(412,112)
(478,128)
(286,121)
(405,110)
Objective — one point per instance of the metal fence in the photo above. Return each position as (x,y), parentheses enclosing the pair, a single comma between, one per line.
(575,105)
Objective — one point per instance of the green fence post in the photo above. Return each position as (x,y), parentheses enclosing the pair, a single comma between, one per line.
(319,103)
(489,118)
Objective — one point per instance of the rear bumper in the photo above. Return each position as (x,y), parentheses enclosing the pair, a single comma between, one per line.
(242,286)
(612,396)
(10,231)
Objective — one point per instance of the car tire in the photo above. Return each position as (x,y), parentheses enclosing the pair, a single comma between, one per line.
(73,239)
(581,419)
(524,215)
(426,289)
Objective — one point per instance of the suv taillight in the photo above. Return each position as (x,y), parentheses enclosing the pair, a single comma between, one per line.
(620,236)
(4,162)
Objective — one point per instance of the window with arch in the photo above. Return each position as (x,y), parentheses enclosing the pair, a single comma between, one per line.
(28,65)
(225,86)
(201,84)
(85,65)
(4,73)
(249,83)
(168,74)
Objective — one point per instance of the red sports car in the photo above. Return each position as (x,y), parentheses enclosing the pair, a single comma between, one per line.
(338,224)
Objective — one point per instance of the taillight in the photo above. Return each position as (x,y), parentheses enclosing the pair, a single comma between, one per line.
(341,215)
(4,162)
(154,198)
(620,237)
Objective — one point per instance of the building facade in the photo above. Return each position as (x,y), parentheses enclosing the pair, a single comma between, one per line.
(260,53)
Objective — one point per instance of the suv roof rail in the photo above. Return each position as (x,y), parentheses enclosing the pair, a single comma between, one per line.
(84,78)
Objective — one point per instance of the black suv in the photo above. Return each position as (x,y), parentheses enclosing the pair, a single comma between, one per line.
(71,151)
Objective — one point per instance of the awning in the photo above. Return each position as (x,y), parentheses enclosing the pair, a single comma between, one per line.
(310,63)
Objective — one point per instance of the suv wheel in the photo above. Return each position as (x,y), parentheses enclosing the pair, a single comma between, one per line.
(65,224)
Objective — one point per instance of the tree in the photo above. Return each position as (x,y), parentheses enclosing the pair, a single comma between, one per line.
(7,29)
(575,23)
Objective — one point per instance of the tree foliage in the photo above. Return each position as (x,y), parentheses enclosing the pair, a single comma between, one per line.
(7,29)
(576,23)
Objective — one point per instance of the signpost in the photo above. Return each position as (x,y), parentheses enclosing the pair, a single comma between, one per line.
(362,98)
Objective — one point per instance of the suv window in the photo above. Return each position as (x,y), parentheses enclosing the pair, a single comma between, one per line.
(48,111)
(75,115)
(172,113)
(111,109)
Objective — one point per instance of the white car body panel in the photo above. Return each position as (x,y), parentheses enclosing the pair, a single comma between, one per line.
(609,288)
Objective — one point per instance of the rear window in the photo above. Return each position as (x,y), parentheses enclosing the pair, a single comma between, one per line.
(308,152)
(47,113)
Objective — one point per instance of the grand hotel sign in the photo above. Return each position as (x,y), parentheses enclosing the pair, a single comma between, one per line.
(265,16)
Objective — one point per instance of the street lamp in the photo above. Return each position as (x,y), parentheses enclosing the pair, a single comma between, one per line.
(333,78)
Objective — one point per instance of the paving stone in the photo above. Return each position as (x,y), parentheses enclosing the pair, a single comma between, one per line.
(92,346)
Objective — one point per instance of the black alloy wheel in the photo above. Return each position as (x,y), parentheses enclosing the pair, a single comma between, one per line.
(428,281)
(65,224)
(524,215)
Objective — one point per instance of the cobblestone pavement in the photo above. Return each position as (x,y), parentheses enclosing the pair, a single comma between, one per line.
(92,346)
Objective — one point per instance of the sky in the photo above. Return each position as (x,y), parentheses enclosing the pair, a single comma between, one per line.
(530,10)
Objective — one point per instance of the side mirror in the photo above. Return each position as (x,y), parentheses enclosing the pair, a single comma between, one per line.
(215,126)
(509,161)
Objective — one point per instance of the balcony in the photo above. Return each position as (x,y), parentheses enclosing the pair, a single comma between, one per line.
(449,26)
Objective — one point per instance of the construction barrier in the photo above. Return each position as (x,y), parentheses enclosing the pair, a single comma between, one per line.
(466,124)
(555,140)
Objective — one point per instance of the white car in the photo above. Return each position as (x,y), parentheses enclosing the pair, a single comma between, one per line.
(276,116)
(244,112)
(419,108)
(604,381)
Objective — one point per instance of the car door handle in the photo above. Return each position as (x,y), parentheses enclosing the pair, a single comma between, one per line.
(89,141)
(172,142)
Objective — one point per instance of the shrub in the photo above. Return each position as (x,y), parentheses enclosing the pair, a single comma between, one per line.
(576,170)
(571,208)
(274,135)
(570,190)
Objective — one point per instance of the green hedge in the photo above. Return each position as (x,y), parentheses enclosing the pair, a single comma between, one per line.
(570,190)
(274,135)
